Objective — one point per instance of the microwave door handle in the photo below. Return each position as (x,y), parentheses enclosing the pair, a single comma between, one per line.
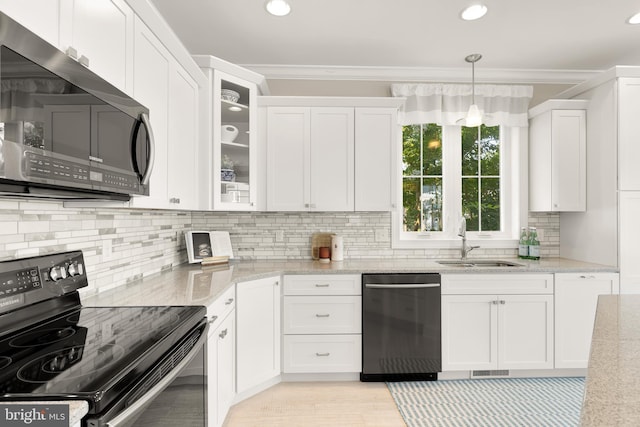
(124,418)
(152,149)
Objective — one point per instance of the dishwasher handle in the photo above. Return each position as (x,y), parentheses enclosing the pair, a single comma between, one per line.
(402,286)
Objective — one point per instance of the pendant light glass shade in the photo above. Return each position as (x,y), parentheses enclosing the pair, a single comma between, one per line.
(474,116)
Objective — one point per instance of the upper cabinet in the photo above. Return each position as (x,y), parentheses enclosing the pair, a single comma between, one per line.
(45,23)
(329,154)
(231,116)
(628,133)
(557,156)
(97,33)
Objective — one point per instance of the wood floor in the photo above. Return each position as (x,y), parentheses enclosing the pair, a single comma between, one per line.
(350,403)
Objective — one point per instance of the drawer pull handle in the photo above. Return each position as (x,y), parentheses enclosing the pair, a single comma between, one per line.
(223,334)
(322,315)
(229,301)
(213,319)
(587,277)
(322,354)
(324,285)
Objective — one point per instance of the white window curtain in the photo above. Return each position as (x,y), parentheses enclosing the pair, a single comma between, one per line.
(447,104)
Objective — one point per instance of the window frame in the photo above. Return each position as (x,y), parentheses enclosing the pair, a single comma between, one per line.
(513,194)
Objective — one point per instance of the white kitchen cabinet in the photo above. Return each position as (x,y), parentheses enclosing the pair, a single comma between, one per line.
(310,158)
(182,168)
(101,32)
(629,235)
(232,135)
(557,156)
(221,360)
(576,297)
(322,324)
(376,136)
(258,332)
(484,330)
(153,68)
(45,22)
(329,154)
(628,133)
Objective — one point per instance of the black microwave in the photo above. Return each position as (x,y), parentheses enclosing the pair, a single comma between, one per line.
(64,131)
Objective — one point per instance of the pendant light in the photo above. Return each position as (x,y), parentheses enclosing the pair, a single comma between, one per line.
(474,116)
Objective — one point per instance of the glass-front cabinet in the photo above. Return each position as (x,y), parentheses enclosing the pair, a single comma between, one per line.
(234,142)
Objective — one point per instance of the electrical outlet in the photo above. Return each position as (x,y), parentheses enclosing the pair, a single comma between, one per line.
(279,235)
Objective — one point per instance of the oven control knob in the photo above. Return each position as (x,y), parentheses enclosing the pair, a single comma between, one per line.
(57,273)
(74,270)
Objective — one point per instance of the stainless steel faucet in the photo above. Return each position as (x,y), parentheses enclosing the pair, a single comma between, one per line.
(464,250)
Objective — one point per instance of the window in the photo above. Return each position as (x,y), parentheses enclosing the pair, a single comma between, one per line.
(454,171)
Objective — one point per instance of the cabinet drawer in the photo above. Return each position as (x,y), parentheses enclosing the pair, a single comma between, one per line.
(323,284)
(322,315)
(322,353)
(222,306)
(480,284)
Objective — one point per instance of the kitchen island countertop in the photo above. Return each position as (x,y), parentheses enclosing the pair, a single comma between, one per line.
(193,284)
(612,388)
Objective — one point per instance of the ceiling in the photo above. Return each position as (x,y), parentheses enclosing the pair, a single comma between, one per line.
(410,37)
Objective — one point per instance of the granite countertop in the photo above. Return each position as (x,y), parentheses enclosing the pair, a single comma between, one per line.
(192,284)
(612,389)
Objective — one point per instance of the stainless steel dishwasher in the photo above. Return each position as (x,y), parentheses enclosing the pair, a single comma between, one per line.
(401,339)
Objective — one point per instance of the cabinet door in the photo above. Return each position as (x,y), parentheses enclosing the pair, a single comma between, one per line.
(40,16)
(629,235)
(258,332)
(376,133)
(183,138)
(576,297)
(102,31)
(569,160)
(525,332)
(469,338)
(234,143)
(225,368)
(628,133)
(288,145)
(153,65)
(332,159)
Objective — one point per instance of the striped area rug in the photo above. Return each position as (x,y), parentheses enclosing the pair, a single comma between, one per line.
(527,402)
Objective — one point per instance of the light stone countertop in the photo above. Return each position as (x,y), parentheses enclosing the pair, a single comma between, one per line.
(612,388)
(192,284)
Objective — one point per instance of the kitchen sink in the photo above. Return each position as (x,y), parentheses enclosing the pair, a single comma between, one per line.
(479,263)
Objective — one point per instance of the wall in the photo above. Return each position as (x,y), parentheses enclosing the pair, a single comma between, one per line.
(122,245)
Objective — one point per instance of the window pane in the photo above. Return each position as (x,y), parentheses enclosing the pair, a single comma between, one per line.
(469,151)
(411,150)
(411,204)
(490,204)
(470,203)
(432,149)
(432,204)
(490,146)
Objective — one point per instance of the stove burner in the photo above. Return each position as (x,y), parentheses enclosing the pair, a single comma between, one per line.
(41,337)
(5,361)
(45,368)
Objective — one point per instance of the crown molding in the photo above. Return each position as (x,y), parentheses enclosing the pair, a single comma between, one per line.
(420,74)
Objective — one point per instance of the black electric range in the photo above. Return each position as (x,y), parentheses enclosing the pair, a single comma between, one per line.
(53,348)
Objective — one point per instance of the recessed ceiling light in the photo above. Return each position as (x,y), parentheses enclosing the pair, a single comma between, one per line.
(278,7)
(473,12)
(635,19)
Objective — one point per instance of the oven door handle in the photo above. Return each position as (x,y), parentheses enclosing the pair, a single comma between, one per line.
(139,405)
(403,286)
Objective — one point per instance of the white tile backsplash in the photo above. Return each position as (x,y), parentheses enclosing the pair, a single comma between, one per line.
(122,245)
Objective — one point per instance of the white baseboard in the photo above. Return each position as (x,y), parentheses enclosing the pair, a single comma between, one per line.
(318,377)
(516,373)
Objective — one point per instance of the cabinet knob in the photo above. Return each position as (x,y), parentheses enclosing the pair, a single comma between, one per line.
(213,319)
(223,334)
(495,302)
(306,205)
(277,283)
(72,52)
(502,301)
(83,60)
(229,301)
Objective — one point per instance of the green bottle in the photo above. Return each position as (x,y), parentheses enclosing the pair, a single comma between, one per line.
(534,244)
(523,244)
